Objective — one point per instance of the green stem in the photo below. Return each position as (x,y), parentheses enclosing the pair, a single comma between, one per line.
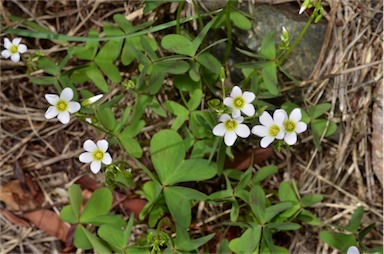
(181,4)
(228,25)
(302,32)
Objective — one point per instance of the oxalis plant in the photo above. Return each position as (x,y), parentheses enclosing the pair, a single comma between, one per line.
(207,120)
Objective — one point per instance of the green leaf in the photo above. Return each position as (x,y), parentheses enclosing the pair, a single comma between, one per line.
(354,223)
(240,21)
(257,202)
(98,204)
(309,218)
(112,235)
(178,44)
(248,242)
(179,206)
(105,58)
(124,24)
(191,170)
(80,239)
(338,240)
(106,117)
(110,219)
(97,77)
(365,231)
(130,145)
(194,72)
(173,66)
(98,245)
(311,200)
(47,65)
(270,78)
(196,96)
(183,241)
(268,48)
(167,152)
(179,111)
(128,229)
(319,109)
(148,48)
(209,61)
(67,215)
(189,193)
(75,198)
(43,80)
(156,79)
(318,127)
(200,37)
(201,124)
(286,193)
(272,211)
(284,226)
(264,173)
(235,210)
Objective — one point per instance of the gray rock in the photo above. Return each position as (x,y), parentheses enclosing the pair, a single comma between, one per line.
(303,58)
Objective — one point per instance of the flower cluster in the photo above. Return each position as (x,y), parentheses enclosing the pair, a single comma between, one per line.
(231,126)
(280,126)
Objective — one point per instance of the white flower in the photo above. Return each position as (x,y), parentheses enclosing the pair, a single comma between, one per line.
(92,100)
(96,154)
(292,125)
(270,129)
(240,101)
(230,128)
(61,106)
(353,250)
(13,49)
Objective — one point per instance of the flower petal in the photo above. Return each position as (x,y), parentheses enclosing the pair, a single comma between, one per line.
(290,138)
(239,119)
(260,130)
(107,159)
(224,117)
(95,166)
(281,133)
(64,117)
(249,96)
(248,109)
(236,91)
(16,41)
(236,113)
(15,57)
(22,48)
(266,141)
(73,106)
(66,94)
(219,130)
(51,112)
(301,127)
(7,43)
(353,250)
(243,131)
(228,102)
(295,115)
(230,138)
(103,145)
(86,157)
(266,119)
(52,98)
(6,53)
(279,116)
(89,146)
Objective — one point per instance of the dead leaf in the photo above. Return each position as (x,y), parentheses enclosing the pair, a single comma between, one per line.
(49,222)
(134,205)
(15,198)
(243,159)
(14,219)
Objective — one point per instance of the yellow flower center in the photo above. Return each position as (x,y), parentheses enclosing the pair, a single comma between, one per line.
(238,102)
(273,130)
(230,125)
(98,155)
(62,106)
(289,126)
(14,49)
